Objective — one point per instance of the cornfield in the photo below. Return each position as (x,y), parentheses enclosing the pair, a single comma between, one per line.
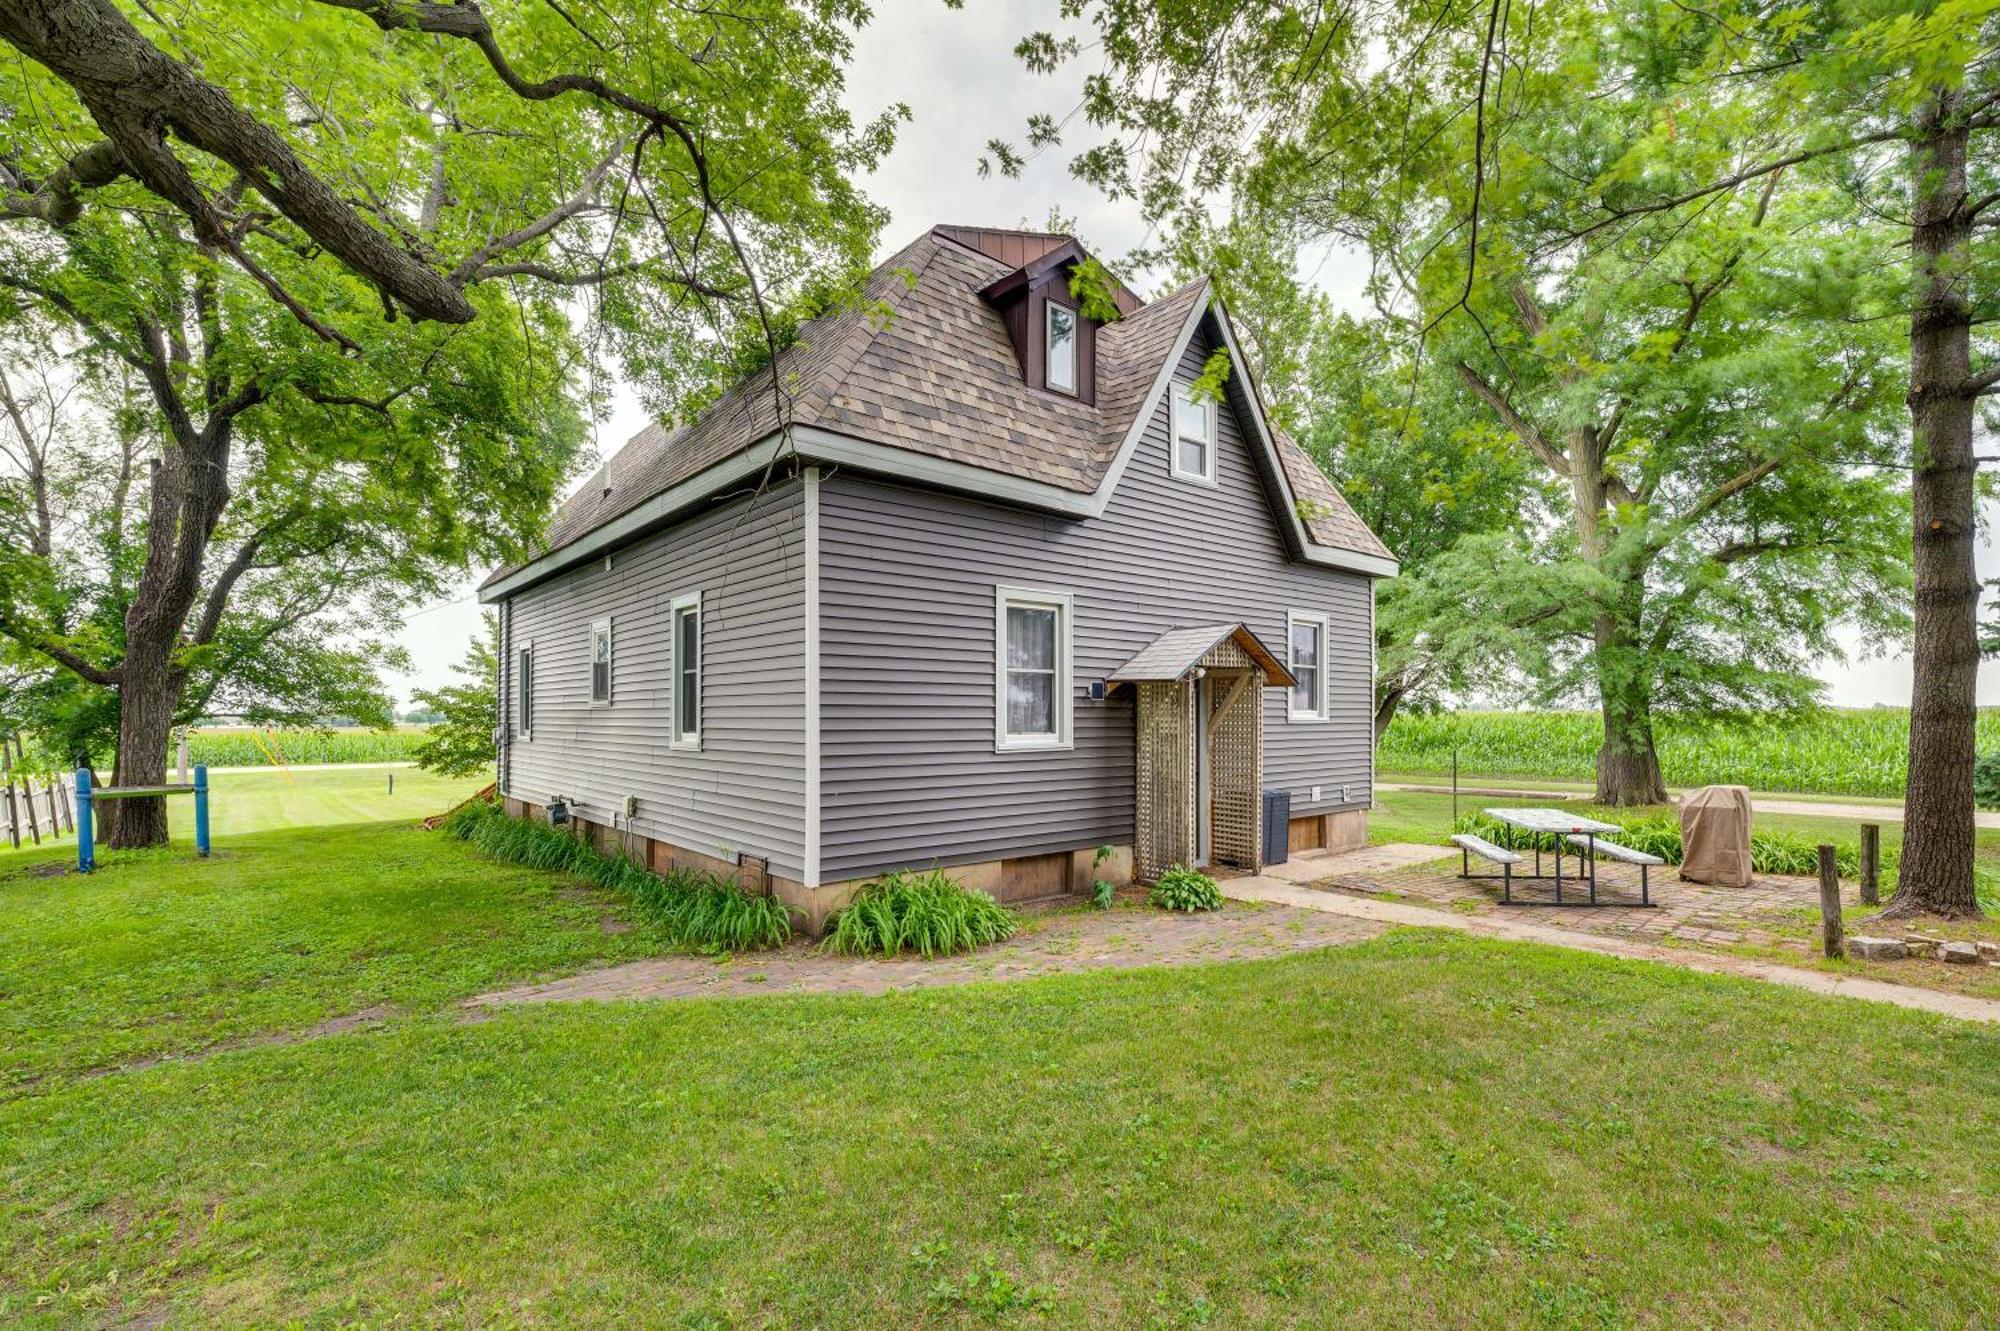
(1830,752)
(243,746)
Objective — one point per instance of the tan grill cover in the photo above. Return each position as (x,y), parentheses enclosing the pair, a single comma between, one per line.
(1715,836)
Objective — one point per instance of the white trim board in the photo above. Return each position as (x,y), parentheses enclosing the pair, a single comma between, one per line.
(810,867)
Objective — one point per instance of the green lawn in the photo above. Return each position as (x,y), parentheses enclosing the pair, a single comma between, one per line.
(159,952)
(240,802)
(1421,1130)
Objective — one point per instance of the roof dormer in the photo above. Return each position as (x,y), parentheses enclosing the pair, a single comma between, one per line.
(1054,341)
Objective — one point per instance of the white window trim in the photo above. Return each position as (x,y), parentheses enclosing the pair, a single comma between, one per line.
(1184,397)
(524,690)
(689,741)
(602,625)
(1075,347)
(1322,710)
(1064,604)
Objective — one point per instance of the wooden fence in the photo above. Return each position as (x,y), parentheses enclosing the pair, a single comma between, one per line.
(31,803)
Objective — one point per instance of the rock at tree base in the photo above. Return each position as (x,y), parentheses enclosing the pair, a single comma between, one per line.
(1863,948)
(1959,953)
(1988,951)
(1920,947)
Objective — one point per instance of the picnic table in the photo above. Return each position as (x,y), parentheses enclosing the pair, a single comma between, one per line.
(1560,823)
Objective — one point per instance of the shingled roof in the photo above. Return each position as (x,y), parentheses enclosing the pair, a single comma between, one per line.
(925,366)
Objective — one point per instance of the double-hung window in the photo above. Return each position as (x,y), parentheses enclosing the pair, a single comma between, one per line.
(1307,638)
(600,661)
(1059,346)
(687,671)
(1194,436)
(1033,703)
(524,691)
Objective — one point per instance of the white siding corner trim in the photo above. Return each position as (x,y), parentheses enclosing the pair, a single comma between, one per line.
(1063,695)
(811,865)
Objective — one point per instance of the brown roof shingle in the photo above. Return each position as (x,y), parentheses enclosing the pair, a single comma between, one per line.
(937,376)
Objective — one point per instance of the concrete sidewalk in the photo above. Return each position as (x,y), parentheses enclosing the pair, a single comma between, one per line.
(1285,885)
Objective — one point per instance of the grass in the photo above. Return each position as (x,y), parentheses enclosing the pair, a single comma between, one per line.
(243,802)
(1422,1130)
(161,953)
(1829,752)
(247,746)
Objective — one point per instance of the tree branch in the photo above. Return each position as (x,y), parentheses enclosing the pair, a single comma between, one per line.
(1524,429)
(58,200)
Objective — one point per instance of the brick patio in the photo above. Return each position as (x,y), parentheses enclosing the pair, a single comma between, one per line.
(1682,913)
(1054,940)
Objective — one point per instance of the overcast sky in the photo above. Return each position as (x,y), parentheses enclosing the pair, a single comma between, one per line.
(957,73)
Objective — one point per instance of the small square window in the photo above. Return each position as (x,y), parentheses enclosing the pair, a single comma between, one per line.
(687,671)
(1194,436)
(1060,325)
(600,661)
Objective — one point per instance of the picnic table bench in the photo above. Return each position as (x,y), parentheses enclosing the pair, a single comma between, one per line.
(1578,831)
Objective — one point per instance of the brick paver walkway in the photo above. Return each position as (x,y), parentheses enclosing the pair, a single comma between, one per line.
(1683,913)
(1055,941)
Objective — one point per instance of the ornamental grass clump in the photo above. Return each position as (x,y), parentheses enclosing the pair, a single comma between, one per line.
(1184,889)
(925,913)
(697,909)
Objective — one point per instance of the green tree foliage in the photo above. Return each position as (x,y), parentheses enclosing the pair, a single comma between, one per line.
(350,264)
(460,742)
(1706,409)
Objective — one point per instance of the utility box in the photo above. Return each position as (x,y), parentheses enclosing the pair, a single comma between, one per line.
(1277,826)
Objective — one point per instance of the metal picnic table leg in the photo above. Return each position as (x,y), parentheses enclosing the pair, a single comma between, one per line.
(1559,870)
(1591,850)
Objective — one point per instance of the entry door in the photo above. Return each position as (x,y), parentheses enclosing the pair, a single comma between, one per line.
(1204,792)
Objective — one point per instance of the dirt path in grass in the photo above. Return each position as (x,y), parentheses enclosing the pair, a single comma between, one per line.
(1053,942)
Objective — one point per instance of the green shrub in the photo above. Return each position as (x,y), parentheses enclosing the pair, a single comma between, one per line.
(697,909)
(1772,851)
(926,913)
(1102,894)
(1986,780)
(1185,889)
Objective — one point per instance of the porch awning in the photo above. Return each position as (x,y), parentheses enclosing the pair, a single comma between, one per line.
(1174,653)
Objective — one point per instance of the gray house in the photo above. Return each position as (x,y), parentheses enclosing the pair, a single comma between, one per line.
(979,582)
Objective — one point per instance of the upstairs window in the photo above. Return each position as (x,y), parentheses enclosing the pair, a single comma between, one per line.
(687,671)
(524,689)
(1032,682)
(600,661)
(1308,637)
(1194,436)
(1060,329)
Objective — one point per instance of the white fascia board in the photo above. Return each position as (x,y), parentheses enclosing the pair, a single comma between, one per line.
(732,470)
(1308,549)
(902,464)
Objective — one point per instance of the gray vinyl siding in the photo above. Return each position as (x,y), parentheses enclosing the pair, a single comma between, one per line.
(744,790)
(909,774)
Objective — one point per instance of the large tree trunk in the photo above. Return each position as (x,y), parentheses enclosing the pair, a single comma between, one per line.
(146,702)
(1628,763)
(1936,869)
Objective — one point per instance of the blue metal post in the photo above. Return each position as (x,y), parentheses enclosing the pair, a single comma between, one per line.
(200,809)
(86,852)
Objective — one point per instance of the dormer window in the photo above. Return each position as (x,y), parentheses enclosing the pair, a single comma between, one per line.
(1060,346)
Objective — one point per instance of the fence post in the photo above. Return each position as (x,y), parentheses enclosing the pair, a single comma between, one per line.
(1830,925)
(201,808)
(86,852)
(7,770)
(1871,864)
